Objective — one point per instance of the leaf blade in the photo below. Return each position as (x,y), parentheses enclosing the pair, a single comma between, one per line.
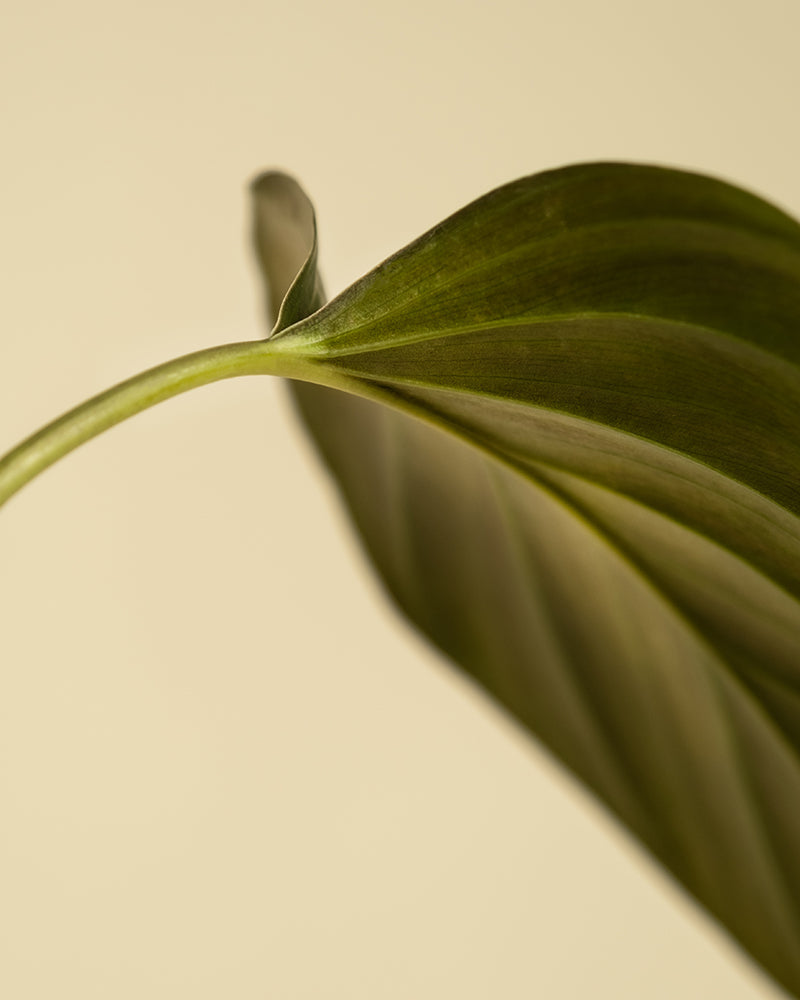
(583,487)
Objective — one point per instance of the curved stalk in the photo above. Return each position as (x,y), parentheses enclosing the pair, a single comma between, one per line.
(139,393)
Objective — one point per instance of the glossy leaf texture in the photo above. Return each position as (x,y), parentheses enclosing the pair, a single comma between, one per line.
(570,442)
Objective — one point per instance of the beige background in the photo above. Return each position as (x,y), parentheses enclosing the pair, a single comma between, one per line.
(226,769)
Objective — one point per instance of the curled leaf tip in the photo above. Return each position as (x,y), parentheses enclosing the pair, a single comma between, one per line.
(283,230)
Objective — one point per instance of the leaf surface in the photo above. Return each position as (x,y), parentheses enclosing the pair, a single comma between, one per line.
(570,443)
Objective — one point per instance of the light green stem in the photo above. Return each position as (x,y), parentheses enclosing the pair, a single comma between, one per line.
(114,405)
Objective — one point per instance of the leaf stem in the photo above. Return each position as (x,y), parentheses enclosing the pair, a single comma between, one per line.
(135,394)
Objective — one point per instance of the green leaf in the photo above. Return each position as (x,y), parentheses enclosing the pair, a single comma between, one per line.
(573,453)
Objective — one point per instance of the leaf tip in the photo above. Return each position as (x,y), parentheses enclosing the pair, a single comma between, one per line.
(283,231)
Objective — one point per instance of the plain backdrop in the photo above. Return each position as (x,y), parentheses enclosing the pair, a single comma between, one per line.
(227,769)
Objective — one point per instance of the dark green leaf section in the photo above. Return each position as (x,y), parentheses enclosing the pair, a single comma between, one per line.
(576,467)
(609,238)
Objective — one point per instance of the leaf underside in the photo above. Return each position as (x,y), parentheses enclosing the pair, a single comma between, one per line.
(571,446)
